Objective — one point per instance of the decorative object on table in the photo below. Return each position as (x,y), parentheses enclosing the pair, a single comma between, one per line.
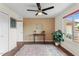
(34,32)
(43,32)
(57,37)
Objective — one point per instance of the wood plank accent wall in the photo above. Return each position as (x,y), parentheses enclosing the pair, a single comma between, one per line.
(30,24)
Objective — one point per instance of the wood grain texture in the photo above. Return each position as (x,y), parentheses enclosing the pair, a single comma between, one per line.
(68,53)
(14,51)
(31,24)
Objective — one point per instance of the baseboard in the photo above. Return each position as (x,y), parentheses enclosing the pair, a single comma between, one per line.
(38,42)
(15,50)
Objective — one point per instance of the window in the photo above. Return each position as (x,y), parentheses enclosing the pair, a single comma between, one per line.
(69,28)
(12,23)
(72,25)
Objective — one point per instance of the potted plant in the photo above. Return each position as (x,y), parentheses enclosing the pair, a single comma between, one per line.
(58,37)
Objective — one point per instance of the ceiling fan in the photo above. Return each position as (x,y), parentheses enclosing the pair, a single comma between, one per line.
(40,11)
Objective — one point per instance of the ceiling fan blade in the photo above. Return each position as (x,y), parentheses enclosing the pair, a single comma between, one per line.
(47,8)
(44,13)
(36,14)
(32,10)
(38,5)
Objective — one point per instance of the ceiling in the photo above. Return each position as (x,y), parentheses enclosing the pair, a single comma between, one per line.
(21,9)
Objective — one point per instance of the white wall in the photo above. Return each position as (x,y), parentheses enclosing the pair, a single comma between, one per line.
(59,22)
(4,26)
(12,32)
(20,31)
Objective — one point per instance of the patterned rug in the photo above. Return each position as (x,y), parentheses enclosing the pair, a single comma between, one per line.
(39,50)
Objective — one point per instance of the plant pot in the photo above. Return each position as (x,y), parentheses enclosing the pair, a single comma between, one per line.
(56,43)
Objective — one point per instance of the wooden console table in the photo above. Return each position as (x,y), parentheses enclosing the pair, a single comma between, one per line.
(34,35)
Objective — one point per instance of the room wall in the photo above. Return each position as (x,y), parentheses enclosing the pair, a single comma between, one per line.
(20,31)
(30,24)
(68,44)
(4,24)
(12,32)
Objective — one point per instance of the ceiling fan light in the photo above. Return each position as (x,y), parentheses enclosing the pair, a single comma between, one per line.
(40,13)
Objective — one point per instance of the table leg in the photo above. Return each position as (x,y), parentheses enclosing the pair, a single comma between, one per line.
(44,38)
(34,38)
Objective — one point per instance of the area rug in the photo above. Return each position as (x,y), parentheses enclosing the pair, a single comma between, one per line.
(39,50)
